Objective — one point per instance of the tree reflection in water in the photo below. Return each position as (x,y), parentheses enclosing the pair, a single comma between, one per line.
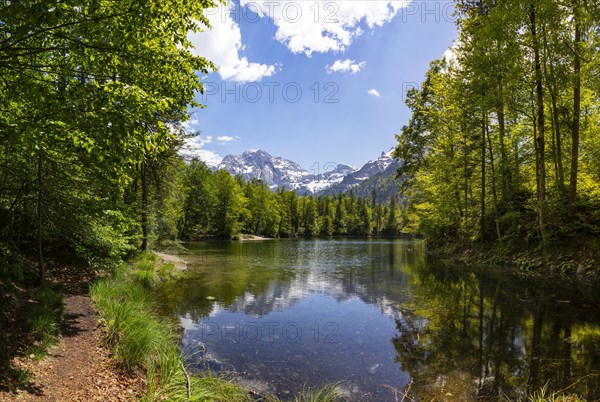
(472,335)
(457,333)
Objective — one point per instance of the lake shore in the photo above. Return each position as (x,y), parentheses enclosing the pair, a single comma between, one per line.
(166,258)
(254,238)
(577,260)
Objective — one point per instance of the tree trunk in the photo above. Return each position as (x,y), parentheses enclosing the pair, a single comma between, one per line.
(40,254)
(494,192)
(556,138)
(576,107)
(540,135)
(505,171)
(482,222)
(557,143)
(144,207)
(465,184)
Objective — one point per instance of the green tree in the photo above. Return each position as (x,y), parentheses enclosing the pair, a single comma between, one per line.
(97,87)
(484,150)
(199,200)
(340,222)
(264,215)
(229,206)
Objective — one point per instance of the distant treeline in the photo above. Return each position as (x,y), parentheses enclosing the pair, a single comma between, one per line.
(218,204)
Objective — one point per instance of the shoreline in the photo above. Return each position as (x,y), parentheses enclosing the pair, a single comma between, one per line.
(166,258)
(567,260)
(254,238)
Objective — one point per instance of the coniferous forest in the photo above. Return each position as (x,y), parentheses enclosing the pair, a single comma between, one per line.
(217,204)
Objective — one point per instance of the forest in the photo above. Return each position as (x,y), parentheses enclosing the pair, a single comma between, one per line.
(217,204)
(503,145)
(501,152)
(94,95)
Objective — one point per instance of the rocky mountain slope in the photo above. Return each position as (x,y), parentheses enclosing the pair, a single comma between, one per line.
(377,175)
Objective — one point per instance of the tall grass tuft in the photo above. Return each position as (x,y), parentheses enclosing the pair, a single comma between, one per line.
(147,279)
(143,341)
(328,393)
(544,395)
(45,317)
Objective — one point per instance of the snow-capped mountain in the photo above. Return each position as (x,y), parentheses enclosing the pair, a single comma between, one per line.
(279,172)
(257,164)
(374,175)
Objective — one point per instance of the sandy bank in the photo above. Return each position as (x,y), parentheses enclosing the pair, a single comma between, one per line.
(180,263)
(253,238)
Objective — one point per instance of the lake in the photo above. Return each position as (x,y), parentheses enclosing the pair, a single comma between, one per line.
(378,318)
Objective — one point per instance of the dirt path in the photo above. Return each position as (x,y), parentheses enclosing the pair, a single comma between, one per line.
(79,367)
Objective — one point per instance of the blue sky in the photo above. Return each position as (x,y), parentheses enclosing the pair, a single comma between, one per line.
(314,81)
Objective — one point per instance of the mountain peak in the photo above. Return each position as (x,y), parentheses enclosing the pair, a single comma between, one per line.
(252,151)
(278,172)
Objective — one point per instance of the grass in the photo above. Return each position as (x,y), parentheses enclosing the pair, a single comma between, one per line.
(328,393)
(168,270)
(543,395)
(141,340)
(45,317)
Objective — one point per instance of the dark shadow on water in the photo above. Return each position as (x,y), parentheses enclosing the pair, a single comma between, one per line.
(482,334)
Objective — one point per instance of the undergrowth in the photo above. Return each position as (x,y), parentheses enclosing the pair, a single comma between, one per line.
(45,318)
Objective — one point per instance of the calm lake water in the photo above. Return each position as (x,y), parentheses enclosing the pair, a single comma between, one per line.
(377,317)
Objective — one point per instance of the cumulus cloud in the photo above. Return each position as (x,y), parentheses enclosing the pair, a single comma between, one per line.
(211,158)
(225,138)
(450,54)
(189,125)
(345,66)
(222,45)
(374,92)
(194,147)
(323,26)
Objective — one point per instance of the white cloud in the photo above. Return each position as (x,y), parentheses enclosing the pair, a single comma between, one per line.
(323,26)
(194,147)
(188,125)
(345,66)
(451,54)
(222,45)
(225,138)
(374,92)
(209,157)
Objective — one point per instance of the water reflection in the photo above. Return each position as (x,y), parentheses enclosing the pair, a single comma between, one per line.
(378,316)
(486,335)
